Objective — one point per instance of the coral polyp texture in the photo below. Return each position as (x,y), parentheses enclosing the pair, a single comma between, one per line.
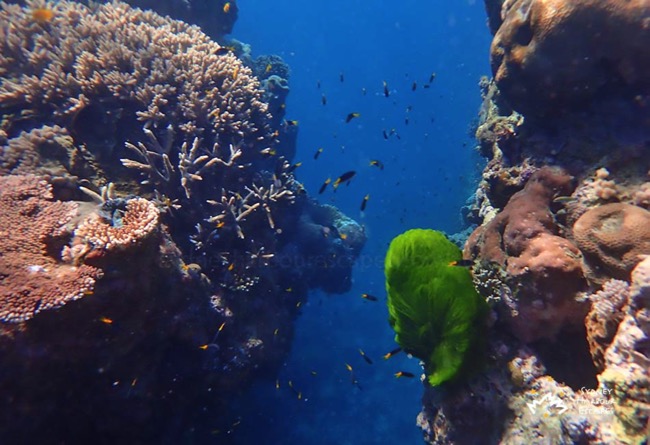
(552,55)
(160,238)
(32,227)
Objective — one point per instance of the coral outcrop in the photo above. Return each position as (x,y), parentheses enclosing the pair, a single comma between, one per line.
(553,55)
(158,171)
(526,265)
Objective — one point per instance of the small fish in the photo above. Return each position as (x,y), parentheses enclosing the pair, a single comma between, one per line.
(462,263)
(318,152)
(349,367)
(563,199)
(298,304)
(318,84)
(289,289)
(364,202)
(406,121)
(365,357)
(106,320)
(432,77)
(293,167)
(268,152)
(204,347)
(277,384)
(323,99)
(385,134)
(231,266)
(427,86)
(351,116)
(400,374)
(219,225)
(341,77)
(275,332)
(414,86)
(292,123)
(314,373)
(363,91)
(42,15)
(223,50)
(268,68)
(377,163)
(369,297)
(392,353)
(386,91)
(409,108)
(235,72)
(324,186)
(223,325)
(226,8)
(343,236)
(345,177)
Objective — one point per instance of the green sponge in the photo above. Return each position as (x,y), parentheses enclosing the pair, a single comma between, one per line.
(433,307)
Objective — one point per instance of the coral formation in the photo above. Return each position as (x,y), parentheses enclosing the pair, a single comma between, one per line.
(553,55)
(612,237)
(525,263)
(433,307)
(160,149)
(32,227)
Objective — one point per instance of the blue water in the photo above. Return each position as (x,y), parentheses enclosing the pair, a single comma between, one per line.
(428,175)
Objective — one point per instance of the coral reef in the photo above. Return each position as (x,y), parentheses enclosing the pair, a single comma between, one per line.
(155,165)
(561,250)
(554,55)
(527,267)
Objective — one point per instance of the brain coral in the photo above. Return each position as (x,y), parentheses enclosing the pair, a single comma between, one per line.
(612,238)
(554,54)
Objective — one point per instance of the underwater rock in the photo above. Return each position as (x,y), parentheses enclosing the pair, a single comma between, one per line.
(554,56)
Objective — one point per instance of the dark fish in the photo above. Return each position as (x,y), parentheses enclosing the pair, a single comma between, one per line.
(345,177)
(222,50)
(409,108)
(385,134)
(377,163)
(318,84)
(324,186)
(351,116)
(368,296)
(406,121)
(323,99)
(404,374)
(365,357)
(318,152)
(414,86)
(386,91)
(294,167)
(432,77)
(341,78)
(392,353)
(462,263)
(364,202)
(292,123)
(426,86)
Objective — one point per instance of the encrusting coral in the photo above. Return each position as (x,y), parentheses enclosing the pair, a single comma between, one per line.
(32,227)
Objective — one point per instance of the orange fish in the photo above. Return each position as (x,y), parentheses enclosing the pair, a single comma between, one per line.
(226,8)
(42,15)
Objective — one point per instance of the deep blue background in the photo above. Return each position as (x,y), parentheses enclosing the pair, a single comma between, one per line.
(428,176)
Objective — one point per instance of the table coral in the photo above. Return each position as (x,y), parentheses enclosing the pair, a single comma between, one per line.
(553,55)
(32,226)
(611,238)
(539,270)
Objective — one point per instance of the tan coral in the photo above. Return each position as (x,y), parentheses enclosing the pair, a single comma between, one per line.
(96,237)
(553,54)
(31,225)
(611,238)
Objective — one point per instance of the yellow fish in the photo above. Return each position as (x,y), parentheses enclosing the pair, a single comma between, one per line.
(226,8)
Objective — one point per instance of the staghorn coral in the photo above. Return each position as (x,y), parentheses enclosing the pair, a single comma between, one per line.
(539,271)
(32,276)
(611,238)
(550,56)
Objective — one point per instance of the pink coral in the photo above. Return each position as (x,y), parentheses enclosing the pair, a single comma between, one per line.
(540,269)
(31,225)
